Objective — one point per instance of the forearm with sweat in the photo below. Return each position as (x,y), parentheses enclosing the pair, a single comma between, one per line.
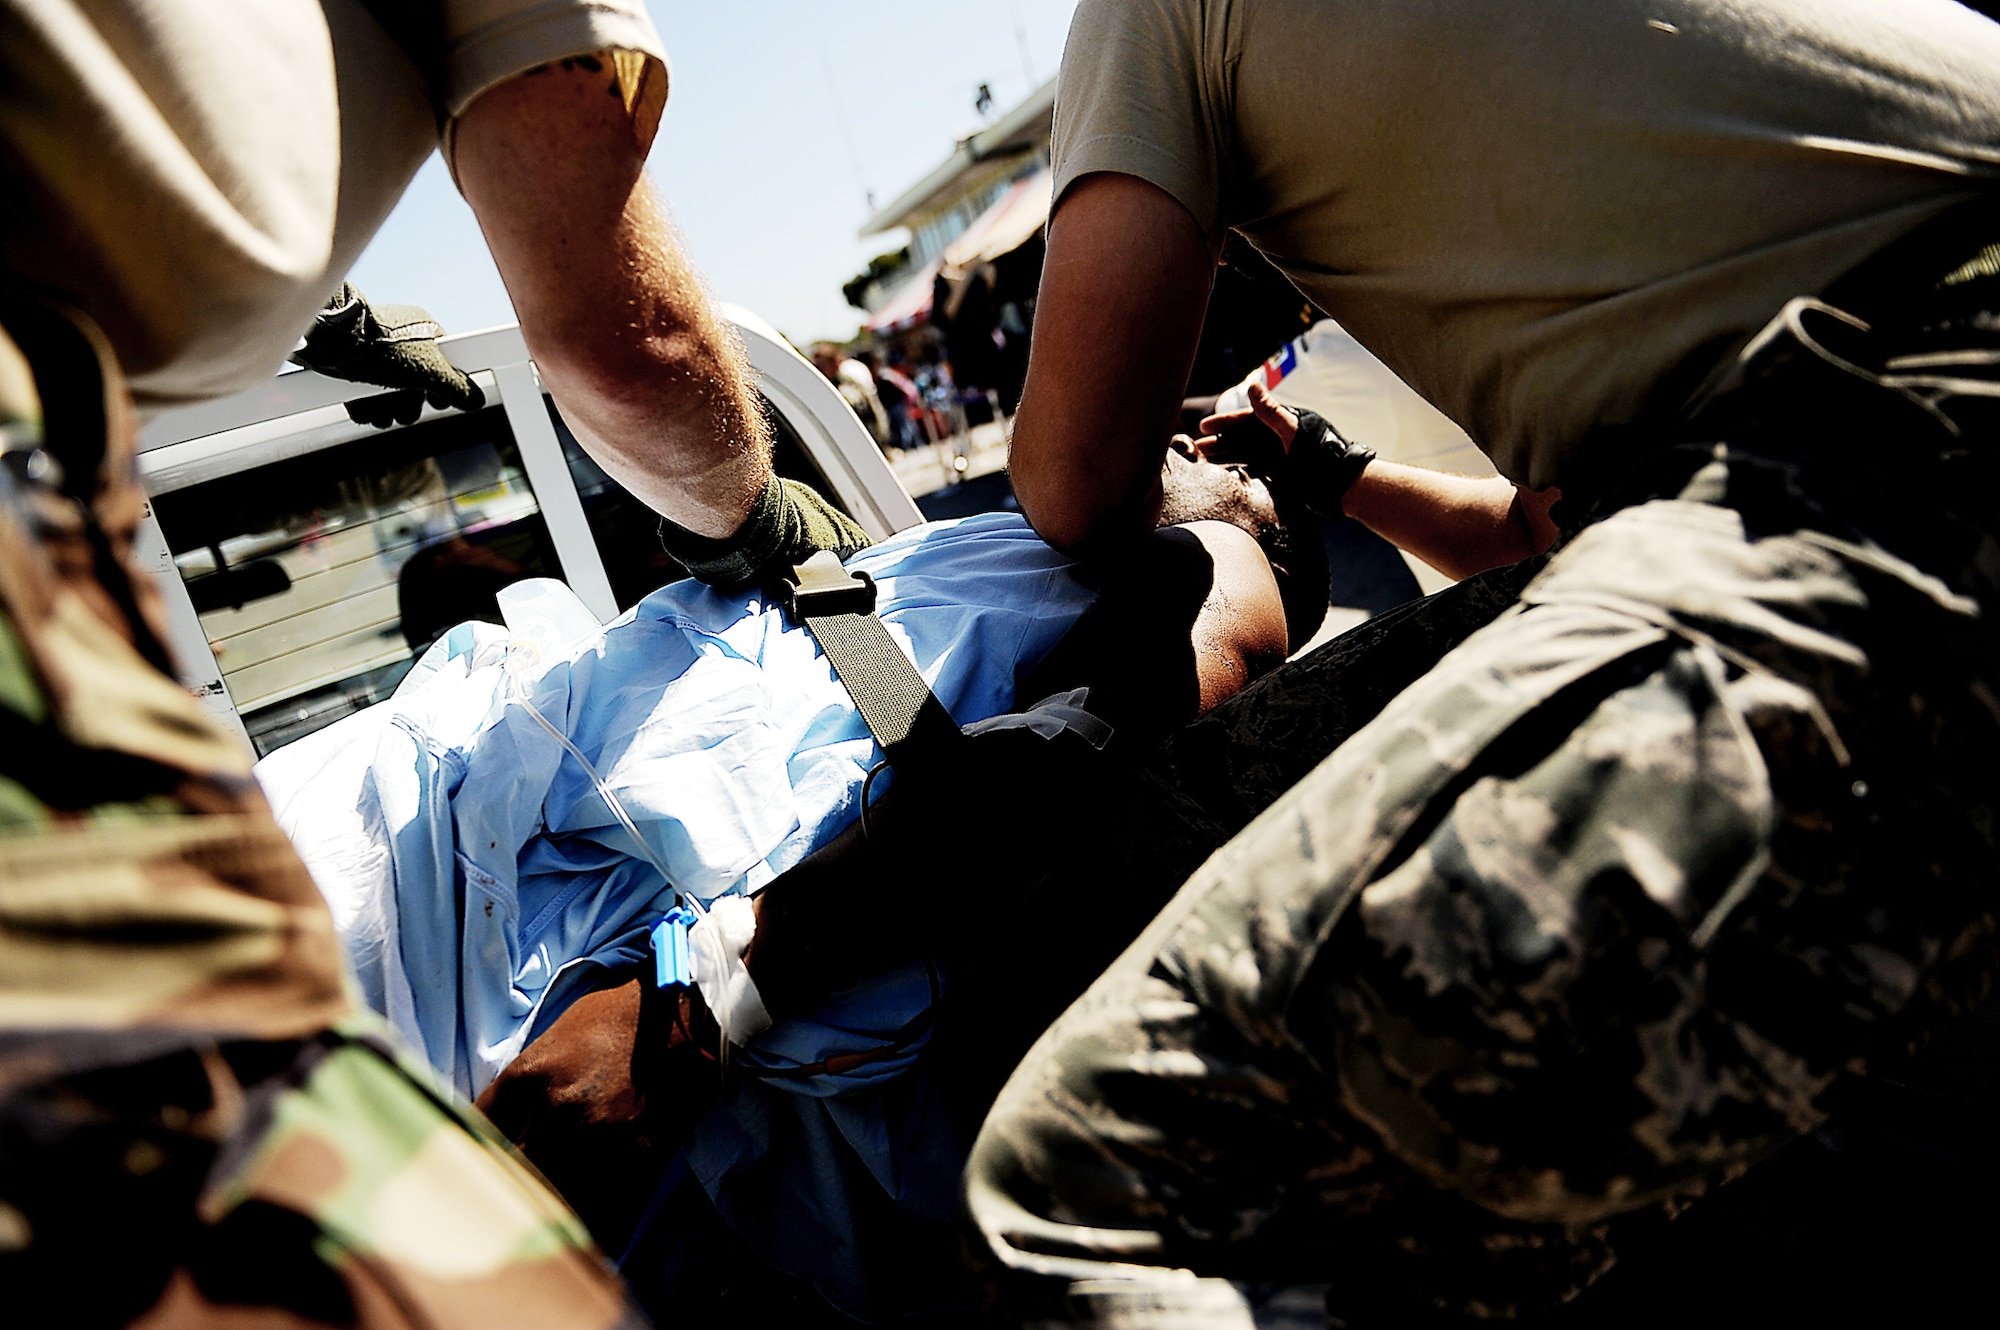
(1458,525)
(654,384)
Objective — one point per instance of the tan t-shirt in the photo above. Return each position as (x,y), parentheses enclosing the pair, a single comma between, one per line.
(198,177)
(1533,211)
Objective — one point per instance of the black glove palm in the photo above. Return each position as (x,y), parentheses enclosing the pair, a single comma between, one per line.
(395,346)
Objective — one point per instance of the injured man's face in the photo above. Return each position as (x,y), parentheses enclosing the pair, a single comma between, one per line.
(1198,490)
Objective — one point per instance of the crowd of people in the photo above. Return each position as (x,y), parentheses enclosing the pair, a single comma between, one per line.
(904,403)
(1436,970)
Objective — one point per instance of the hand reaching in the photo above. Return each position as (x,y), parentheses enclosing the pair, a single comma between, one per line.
(1296,447)
(394,346)
(1264,410)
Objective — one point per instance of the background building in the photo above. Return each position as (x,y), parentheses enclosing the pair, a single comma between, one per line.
(964,194)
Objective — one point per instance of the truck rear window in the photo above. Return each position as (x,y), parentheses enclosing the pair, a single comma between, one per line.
(319,579)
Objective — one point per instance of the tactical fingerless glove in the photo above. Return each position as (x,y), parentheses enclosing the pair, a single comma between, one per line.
(1316,471)
(1321,466)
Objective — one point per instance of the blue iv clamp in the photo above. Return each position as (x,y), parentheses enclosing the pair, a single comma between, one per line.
(672,965)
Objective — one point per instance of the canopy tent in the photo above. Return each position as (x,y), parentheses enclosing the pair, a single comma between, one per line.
(1005,226)
(910,305)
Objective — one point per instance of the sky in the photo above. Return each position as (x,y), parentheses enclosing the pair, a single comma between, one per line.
(781,116)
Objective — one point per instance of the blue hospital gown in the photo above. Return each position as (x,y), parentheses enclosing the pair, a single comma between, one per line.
(480,883)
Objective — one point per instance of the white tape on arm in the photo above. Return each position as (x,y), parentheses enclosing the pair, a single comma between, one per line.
(716,943)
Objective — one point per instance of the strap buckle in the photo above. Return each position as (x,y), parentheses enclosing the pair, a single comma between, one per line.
(821,586)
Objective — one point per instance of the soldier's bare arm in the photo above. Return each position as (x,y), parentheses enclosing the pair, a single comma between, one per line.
(1459,525)
(654,385)
(1116,322)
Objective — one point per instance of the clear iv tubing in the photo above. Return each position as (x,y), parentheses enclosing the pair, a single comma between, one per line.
(728,1017)
(519,692)
(517,688)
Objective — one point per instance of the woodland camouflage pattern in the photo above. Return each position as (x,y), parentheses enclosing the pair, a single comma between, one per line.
(197,1125)
(1590,919)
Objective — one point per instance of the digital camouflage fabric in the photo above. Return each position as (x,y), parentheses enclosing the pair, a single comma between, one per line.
(197,1126)
(1587,921)
(1590,919)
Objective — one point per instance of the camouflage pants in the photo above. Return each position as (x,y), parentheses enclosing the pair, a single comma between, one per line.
(197,1126)
(1586,922)
(162,1181)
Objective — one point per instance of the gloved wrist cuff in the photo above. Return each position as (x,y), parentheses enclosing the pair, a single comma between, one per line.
(733,560)
(787,524)
(1322,465)
(336,334)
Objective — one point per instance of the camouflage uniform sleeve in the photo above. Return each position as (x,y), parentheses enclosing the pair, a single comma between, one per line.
(1593,918)
(186,1083)
(324,1180)
(426,1209)
(126,812)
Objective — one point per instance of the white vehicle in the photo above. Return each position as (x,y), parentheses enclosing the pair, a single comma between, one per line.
(307,560)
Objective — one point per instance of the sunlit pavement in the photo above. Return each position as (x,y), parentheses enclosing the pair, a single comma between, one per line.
(933,466)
